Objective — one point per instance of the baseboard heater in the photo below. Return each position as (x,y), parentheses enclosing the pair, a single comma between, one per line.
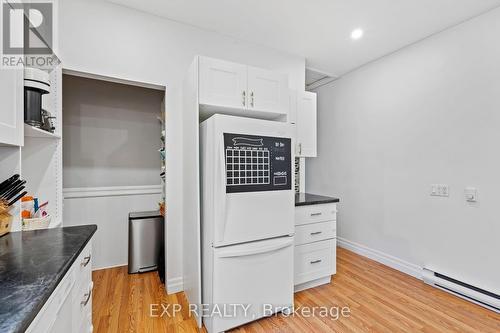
(461,289)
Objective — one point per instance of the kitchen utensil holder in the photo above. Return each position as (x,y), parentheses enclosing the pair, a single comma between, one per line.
(5,223)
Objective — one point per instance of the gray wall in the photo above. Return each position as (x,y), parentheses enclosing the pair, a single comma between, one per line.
(429,113)
(111,134)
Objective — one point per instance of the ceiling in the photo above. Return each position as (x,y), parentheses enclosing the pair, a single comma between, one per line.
(319,30)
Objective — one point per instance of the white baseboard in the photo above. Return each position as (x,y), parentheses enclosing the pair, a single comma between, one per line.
(174,285)
(312,284)
(383,258)
(108,267)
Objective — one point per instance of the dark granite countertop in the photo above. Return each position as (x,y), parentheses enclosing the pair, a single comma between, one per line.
(32,263)
(304,199)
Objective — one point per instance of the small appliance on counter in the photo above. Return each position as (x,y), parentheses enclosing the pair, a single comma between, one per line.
(145,242)
(36,84)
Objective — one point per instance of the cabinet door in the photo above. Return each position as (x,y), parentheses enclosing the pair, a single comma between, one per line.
(11,107)
(267,91)
(306,136)
(222,83)
(64,320)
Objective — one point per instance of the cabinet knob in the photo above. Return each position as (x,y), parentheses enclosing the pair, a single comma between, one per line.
(316,261)
(316,233)
(251,99)
(316,214)
(244,94)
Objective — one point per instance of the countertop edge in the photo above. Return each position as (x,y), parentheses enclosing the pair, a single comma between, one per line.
(308,199)
(28,320)
(334,200)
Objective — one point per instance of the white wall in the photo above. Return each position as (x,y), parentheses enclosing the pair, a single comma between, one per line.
(110,40)
(110,213)
(426,114)
(111,134)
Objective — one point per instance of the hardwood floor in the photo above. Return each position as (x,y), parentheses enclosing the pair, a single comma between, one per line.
(380,300)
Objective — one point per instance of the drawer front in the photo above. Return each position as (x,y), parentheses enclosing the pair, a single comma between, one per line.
(82,294)
(315,232)
(315,213)
(82,304)
(83,266)
(314,261)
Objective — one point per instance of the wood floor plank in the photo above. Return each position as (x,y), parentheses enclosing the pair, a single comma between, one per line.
(453,320)
(380,299)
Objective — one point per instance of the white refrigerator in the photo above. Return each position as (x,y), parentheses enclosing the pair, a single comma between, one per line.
(247,216)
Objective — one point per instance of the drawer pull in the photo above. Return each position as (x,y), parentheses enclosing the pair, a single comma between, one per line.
(316,214)
(316,261)
(86,260)
(87,298)
(316,233)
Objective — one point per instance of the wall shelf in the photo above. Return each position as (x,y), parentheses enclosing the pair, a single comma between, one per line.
(34,132)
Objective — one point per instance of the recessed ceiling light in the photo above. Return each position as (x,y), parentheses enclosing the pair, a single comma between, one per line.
(357,34)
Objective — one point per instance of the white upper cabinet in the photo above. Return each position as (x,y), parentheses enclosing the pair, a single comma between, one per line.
(222,83)
(241,90)
(304,113)
(11,107)
(267,91)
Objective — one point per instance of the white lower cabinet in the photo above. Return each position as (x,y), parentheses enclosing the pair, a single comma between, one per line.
(69,308)
(314,232)
(315,245)
(314,261)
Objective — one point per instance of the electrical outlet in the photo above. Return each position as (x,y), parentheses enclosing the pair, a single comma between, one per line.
(470,194)
(440,190)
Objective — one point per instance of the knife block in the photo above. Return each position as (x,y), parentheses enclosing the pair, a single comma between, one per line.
(5,223)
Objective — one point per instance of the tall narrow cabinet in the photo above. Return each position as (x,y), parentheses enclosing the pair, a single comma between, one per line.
(303,114)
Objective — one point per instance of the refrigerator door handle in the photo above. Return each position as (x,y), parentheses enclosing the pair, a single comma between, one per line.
(249,251)
(222,186)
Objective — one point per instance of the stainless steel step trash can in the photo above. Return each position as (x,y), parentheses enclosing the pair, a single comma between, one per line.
(145,238)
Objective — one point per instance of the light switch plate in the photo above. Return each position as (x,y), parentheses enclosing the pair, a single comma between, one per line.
(440,190)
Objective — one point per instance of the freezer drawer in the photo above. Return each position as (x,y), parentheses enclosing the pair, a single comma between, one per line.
(254,274)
